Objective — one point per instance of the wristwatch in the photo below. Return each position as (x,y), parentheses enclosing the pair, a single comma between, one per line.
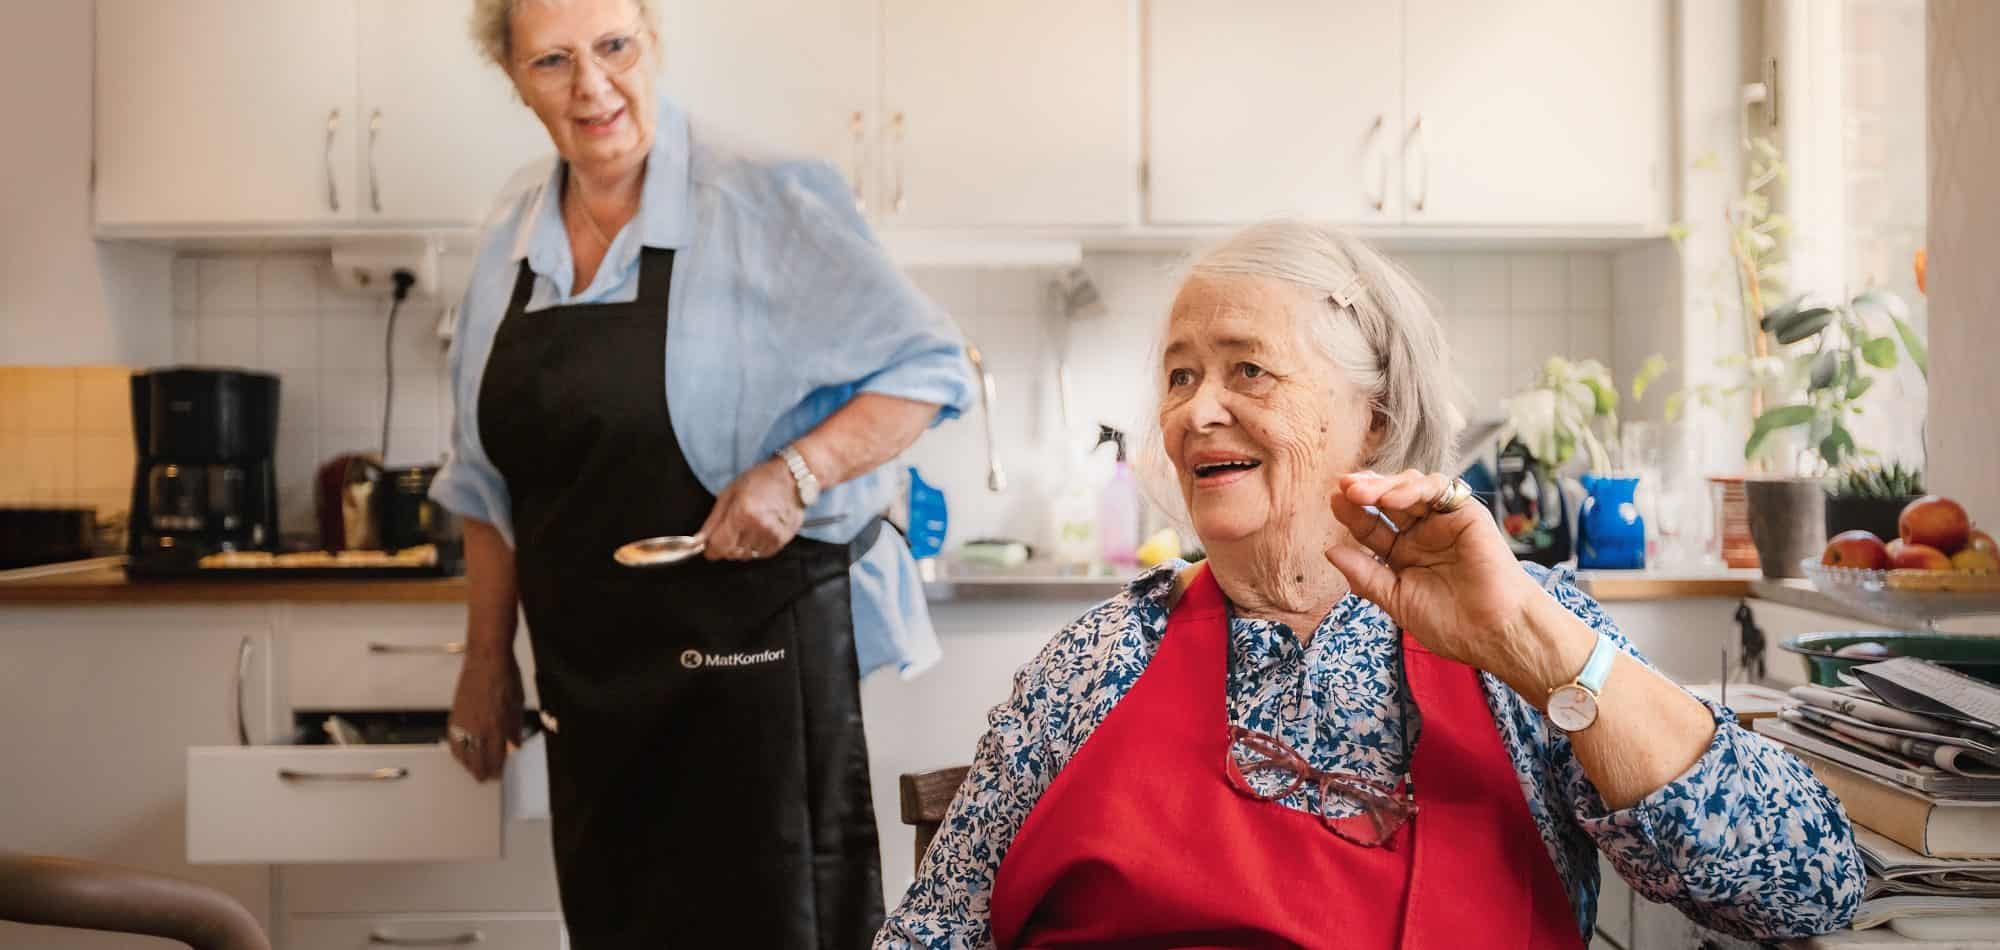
(802,477)
(1573,705)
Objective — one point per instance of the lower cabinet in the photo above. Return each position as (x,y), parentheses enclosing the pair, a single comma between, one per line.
(485,931)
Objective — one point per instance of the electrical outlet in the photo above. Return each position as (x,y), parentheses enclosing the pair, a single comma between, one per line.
(366,266)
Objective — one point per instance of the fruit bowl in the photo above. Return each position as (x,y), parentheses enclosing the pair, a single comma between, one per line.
(1927,596)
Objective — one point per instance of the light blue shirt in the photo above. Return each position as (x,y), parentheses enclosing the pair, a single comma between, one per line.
(784,307)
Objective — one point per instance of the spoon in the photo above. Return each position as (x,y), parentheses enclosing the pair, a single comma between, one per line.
(675,548)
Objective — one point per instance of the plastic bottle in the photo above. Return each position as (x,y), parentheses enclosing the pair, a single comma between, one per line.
(1118,507)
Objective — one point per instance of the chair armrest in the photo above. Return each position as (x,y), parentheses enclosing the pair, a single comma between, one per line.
(61,892)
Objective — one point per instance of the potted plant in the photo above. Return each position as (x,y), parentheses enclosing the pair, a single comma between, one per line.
(1832,355)
(1870,498)
(1548,425)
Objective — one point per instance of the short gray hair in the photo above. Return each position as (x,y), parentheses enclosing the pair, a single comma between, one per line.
(1386,339)
(492,27)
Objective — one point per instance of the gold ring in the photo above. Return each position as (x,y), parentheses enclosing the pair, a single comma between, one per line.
(1453,497)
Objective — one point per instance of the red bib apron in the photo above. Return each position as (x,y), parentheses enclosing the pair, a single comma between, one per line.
(1141,841)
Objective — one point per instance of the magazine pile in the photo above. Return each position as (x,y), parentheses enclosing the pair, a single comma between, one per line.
(1912,750)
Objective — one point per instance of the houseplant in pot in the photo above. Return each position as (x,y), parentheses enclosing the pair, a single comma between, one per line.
(1832,354)
(1553,422)
(1870,497)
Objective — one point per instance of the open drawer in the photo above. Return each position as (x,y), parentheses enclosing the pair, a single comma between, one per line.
(313,804)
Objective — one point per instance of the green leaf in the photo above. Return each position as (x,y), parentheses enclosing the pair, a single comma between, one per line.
(1605,400)
(1824,369)
(1915,344)
(1858,385)
(1783,417)
(1780,313)
(1837,445)
(1881,303)
(1649,370)
(1674,401)
(1677,232)
(1880,352)
(1803,324)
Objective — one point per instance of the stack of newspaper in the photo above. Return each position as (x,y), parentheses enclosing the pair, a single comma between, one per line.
(1913,752)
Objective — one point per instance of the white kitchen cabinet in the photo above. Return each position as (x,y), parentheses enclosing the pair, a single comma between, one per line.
(313,115)
(1534,112)
(228,112)
(1273,107)
(102,702)
(438,129)
(1008,114)
(799,78)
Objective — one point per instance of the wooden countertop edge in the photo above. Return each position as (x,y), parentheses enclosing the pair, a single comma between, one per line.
(1611,589)
(109,586)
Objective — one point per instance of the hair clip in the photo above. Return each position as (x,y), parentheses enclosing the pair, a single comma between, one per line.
(1349,292)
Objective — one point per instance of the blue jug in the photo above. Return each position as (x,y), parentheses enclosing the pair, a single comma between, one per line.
(1610,535)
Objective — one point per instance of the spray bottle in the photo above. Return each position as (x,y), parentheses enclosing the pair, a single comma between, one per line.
(1118,507)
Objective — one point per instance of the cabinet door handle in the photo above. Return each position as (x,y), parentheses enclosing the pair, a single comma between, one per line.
(374,178)
(390,774)
(332,191)
(379,939)
(857,125)
(1381,195)
(242,674)
(897,202)
(454,648)
(1423,193)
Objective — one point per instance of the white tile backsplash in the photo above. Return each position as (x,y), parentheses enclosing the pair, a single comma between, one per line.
(281,313)
(1503,314)
(227,284)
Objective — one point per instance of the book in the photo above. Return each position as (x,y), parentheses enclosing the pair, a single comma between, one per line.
(1886,766)
(1931,827)
(1894,869)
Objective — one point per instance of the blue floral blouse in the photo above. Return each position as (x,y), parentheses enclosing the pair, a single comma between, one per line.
(1746,842)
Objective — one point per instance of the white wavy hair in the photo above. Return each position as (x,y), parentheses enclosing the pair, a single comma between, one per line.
(1387,342)
(492,27)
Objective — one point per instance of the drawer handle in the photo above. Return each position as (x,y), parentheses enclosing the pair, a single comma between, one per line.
(379,939)
(454,648)
(389,774)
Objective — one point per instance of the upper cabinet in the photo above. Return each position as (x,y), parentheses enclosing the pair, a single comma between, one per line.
(1471,114)
(439,129)
(800,78)
(225,111)
(299,114)
(1017,114)
(1077,117)
(1539,112)
(1258,108)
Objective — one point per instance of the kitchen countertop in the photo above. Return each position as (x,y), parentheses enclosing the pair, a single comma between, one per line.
(103,582)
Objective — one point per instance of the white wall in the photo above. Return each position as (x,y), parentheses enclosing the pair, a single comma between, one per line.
(1963,436)
(64,299)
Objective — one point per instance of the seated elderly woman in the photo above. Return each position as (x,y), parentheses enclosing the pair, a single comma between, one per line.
(1360,723)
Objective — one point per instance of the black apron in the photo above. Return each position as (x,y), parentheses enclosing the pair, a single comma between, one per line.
(708,776)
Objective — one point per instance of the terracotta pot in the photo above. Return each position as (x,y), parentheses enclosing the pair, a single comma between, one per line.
(1787,521)
(1732,518)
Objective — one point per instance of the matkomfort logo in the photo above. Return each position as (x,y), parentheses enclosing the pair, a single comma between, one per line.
(695,659)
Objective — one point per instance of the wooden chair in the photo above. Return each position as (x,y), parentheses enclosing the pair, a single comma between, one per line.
(926,796)
(87,895)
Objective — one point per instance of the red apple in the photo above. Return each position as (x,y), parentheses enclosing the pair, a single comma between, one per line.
(1860,549)
(1981,541)
(1919,557)
(1935,521)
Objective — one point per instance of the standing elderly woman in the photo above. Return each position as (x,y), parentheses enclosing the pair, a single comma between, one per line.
(664,337)
(1348,728)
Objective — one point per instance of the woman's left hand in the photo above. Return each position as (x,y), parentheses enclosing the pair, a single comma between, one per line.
(755,517)
(1448,578)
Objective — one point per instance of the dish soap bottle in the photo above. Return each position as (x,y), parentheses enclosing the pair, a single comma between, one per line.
(1118,507)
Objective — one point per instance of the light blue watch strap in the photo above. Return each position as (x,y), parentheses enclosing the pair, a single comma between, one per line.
(1597,669)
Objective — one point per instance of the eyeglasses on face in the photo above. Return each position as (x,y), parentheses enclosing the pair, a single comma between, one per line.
(556,68)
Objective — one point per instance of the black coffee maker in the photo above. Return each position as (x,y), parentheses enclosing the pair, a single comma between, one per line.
(205,481)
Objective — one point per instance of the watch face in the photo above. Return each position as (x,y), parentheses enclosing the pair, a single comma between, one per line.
(1572,708)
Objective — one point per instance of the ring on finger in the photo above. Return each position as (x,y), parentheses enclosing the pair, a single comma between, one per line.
(1454,497)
